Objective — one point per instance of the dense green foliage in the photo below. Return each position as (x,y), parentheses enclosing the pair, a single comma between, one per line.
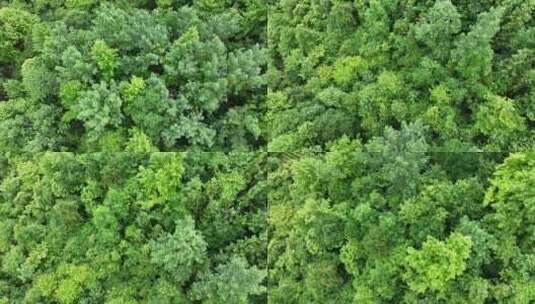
(82,75)
(267,151)
(463,68)
(377,223)
(133,228)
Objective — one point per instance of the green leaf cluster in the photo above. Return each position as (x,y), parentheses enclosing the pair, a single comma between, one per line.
(388,221)
(133,227)
(187,74)
(352,68)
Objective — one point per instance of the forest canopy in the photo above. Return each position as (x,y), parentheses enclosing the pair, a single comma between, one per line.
(377,223)
(465,69)
(133,228)
(267,151)
(85,76)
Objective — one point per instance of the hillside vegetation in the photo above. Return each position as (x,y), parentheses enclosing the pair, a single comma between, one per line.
(464,69)
(88,75)
(133,228)
(267,151)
